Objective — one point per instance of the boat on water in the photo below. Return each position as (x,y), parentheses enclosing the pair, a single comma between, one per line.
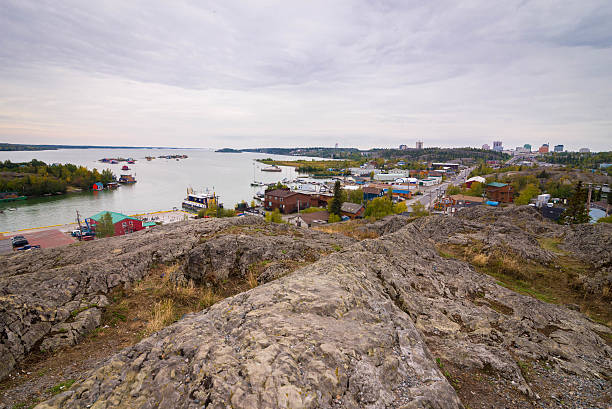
(127,179)
(112,185)
(124,167)
(114,162)
(11,196)
(131,161)
(256,183)
(272,168)
(196,201)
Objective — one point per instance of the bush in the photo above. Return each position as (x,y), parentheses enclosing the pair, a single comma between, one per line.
(607,219)
(418,210)
(214,211)
(274,216)
(334,218)
(379,208)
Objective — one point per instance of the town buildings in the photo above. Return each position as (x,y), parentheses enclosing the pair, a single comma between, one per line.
(527,146)
(498,146)
(403,147)
(543,148)
(584,150)
(500,192)
(558,148)
(419,145)
(486,147)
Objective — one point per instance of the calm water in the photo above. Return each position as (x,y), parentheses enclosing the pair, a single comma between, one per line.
(162,183)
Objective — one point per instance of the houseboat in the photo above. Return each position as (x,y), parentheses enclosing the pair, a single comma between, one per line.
(272,168)
(196,201)
(127,179)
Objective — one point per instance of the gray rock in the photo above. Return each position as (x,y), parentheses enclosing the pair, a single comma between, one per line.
(356,329)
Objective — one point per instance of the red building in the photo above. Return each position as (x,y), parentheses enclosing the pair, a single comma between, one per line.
(500,192)
(123,224)
(287,201)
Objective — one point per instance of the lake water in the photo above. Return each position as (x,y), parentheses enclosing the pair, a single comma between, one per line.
(162,183)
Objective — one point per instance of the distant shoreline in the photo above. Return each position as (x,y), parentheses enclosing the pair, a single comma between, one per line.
(15,147)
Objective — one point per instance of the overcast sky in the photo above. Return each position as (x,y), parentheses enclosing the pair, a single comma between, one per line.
(306,73)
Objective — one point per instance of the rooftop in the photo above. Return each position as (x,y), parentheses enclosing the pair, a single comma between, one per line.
(117,217)
(352,208)
(322,215)
(281,193)
(497,184)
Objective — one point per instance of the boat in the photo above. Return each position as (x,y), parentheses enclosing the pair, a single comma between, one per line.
(11,196)
(127,179)
(112,185)
(255,183)
(131,161)
(114,162)
(272,168)
(124,167)
(196,201)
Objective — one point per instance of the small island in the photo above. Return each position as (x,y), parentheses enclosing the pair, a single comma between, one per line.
(228,150)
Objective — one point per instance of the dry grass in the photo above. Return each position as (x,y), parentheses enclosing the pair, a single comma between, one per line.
(252,278)
(480,259)
(556,283)
(164,314)
(349,228)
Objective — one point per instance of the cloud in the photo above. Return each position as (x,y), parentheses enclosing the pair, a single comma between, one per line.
(284,73)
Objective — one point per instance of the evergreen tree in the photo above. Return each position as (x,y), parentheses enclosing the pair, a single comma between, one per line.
(336,203)
(576,211)
(105,228)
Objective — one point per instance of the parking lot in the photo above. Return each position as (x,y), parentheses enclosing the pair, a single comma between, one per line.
(44,238)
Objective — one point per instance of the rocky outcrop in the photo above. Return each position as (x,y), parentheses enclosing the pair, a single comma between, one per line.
(591,243)
(357,329)
(275,251)
(53,297)
(514,229)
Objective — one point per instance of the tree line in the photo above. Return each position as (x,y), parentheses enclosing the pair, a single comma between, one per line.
(37,178)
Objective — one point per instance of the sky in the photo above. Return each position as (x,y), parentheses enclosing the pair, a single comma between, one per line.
(306,73)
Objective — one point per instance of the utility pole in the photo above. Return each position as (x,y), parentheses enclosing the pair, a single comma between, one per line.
(589,198)
(79,222)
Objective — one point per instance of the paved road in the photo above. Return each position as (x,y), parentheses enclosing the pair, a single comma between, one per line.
(430,194)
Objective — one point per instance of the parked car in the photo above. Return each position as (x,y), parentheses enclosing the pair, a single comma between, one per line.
(28,247)
(19,241)
(76,233)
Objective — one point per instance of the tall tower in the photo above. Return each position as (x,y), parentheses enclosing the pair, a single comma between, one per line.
(419,145)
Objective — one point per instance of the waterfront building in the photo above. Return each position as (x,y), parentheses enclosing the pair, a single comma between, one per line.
(123,224)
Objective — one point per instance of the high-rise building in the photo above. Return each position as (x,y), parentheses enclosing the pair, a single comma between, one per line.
(543,148)
(419,145)
(558,148)
(584,150)
(527,146)
(497,146)
(403,147)
(486,147)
